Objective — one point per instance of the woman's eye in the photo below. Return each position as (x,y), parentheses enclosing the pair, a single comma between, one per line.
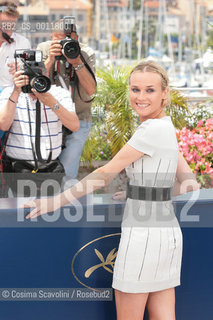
(150,90)
(135,90)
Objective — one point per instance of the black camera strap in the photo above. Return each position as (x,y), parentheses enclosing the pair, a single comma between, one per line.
(31,141)
(2,149)
(37,136)
(3,146)
(73,78)
(77,81)
(7,37)
(38,130)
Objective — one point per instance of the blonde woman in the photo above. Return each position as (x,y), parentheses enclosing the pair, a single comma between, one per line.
(148,263)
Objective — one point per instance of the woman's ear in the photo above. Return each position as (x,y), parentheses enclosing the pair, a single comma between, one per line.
(166,97)
(166,93)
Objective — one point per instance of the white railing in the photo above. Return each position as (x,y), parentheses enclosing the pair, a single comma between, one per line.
(207,93)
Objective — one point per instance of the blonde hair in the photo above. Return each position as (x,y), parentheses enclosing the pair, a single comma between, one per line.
(154,67)
(11,9)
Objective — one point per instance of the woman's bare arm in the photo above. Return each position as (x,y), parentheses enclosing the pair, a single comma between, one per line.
(97,179)
(185,178)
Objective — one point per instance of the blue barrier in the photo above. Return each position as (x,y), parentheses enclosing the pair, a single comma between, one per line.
(64,255)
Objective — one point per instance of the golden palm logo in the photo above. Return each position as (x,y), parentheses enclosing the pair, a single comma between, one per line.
(107,264)
(104,263)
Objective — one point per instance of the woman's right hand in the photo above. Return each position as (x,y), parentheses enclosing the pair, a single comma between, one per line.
(120,195)
(42,206)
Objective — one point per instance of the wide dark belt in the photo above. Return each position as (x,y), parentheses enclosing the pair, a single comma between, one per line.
(148,193)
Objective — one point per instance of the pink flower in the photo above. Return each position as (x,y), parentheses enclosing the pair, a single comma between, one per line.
(199,124)
(197,147)
(209,123)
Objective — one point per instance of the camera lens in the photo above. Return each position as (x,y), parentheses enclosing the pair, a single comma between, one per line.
(41,84)
(71,49)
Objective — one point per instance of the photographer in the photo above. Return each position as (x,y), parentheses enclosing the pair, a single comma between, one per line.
(27,149)
(76,75)
(9,41)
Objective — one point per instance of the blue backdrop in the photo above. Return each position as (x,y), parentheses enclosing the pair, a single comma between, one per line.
(34,255)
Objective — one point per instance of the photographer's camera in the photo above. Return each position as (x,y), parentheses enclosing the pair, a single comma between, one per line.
(71,46)
(32,67)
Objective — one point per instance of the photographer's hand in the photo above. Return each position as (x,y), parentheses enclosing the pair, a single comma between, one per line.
(12,68)
(46,98)
(54,50)
(7,113)
(85,78)
(68,118)
(20,80)
(75,62)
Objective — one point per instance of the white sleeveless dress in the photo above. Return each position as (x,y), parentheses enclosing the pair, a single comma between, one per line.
(150,249)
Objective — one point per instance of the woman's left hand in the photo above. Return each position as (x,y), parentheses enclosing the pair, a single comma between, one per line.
(120,195)
(42,206)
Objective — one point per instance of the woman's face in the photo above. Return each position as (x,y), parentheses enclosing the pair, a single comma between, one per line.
(146,95)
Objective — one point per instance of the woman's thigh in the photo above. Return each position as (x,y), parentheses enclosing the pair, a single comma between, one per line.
(161,305)
(130,306)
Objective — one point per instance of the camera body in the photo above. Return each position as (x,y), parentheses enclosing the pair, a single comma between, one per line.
(71,47)
(32,67)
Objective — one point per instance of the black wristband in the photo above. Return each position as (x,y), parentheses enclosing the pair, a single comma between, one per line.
(12,100)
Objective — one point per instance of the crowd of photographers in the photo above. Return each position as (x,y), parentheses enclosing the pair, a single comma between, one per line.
(45,107)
